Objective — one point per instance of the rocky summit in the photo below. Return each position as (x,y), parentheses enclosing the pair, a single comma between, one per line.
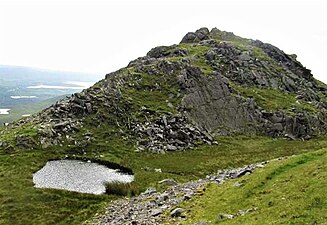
(179,119)
(176,97)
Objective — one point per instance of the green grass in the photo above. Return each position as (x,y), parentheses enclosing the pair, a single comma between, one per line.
(121,189)
(21,203)
(8,134)
(291,191)
(273,100)
(260,54)
(153,92)
(231,152)
(196,53)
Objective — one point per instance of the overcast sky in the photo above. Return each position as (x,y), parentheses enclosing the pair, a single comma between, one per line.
(102,36)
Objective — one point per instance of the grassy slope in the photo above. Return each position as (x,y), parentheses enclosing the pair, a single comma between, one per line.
(20,203)
(291,191)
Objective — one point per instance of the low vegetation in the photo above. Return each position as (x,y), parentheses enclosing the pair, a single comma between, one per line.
(103,125)
(157,93)
(290,191)
(121,189)
(21,203)
(273,100)
(196,54)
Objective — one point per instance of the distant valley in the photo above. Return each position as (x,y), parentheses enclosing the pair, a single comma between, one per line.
(25,90)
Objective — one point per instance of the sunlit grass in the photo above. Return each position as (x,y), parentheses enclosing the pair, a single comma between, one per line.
(21,203)
(291,191)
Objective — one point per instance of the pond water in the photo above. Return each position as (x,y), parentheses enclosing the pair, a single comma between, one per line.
(79,176)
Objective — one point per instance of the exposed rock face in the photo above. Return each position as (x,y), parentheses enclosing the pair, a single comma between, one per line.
(210,104)
(175,97)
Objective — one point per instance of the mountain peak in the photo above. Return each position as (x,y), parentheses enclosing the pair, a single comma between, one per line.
(176,97)
(204,34)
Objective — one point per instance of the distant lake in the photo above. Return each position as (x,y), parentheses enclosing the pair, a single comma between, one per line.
(4,111)
(75,85)
(79,176)
(23,97)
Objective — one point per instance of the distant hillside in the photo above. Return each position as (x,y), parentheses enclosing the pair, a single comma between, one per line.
(10,75)
(25,90)
(22,110)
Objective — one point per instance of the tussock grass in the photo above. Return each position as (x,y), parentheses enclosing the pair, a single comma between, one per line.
(121,188)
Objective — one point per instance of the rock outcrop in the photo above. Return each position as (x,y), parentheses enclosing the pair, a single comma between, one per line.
(171,134)
(175,97)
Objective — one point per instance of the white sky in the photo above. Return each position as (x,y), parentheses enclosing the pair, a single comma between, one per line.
(102,36)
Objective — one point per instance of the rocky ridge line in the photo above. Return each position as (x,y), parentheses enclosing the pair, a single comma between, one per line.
(203,75)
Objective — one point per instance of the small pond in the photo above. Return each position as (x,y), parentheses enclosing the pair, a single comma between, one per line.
(79,176)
